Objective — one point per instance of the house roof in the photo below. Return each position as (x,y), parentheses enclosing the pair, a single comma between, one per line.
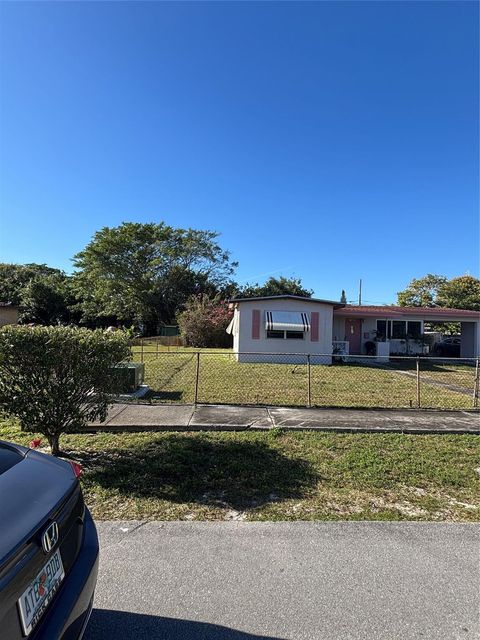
(287,297)
(380,311)
(393,311)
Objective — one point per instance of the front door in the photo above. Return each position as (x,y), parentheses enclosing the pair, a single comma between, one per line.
(353,334)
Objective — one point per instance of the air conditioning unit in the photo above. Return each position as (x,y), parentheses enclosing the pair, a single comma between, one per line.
(131,376)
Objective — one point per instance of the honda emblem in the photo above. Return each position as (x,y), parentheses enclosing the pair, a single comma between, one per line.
(50,537)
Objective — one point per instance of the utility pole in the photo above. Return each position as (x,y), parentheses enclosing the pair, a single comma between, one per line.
(360,292)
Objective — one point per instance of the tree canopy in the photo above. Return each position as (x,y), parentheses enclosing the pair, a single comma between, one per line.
(437,291)
(14,278)
(276,287)
(43,294)
(460,293)
(421,292)
(144,273)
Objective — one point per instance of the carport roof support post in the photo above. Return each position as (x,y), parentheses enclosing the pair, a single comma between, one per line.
(476,384)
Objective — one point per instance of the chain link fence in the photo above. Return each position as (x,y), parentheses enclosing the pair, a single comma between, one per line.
(321,380)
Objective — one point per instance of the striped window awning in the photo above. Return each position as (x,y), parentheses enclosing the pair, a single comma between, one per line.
(286,321)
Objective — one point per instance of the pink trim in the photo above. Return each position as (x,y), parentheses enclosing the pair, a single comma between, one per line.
(255,324)
(314,329)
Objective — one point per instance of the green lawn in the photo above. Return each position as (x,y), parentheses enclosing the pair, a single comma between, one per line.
(172,375)
(442,371)
(276,475)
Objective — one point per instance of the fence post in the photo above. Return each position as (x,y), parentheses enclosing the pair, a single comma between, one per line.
(141,350)
(309,397)
(157,346)
(197,373)
(475,385)
(418,382)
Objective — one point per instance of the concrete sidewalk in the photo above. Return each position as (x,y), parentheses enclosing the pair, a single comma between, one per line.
(145,417)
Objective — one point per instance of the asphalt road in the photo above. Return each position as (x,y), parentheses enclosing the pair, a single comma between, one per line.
(291,581)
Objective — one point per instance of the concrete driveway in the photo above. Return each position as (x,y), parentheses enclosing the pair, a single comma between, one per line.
(290,581)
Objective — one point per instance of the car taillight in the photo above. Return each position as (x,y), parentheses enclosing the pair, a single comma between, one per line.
(77,468)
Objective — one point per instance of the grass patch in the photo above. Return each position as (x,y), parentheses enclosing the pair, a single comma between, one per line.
(276,475)
(223,380)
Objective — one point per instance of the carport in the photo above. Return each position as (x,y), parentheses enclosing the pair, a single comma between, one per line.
(389,324)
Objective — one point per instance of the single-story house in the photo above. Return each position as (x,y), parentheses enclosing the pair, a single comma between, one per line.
(269,328)
(8,313)
(277,326)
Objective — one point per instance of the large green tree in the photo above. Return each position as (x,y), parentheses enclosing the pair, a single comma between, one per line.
(437,291)
(144,273)
(48,299)
(276,287)
(14,278)
(421,292)
(460,293)
(43,294)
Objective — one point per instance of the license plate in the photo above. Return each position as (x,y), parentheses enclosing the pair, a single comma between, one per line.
(36,598)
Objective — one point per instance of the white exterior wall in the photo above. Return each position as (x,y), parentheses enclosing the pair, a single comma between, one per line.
(369,325)
(244,342)
(338,328)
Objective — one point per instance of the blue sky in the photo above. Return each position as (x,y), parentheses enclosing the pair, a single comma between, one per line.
(328,141)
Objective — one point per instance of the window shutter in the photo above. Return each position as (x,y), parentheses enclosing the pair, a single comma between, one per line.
(255,324)
(315,317)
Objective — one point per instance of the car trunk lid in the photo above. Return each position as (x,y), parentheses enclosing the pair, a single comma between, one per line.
(34,493)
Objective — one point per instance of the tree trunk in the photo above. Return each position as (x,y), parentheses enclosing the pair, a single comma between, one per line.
(54,442)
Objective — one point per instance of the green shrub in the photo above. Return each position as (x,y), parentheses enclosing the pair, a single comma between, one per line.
(54,379)
(204,322)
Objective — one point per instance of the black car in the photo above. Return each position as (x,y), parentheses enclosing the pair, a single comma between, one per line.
(449,347)
(48,547)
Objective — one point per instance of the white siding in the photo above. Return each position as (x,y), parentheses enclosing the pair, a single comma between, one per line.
(265,345)
(338,328)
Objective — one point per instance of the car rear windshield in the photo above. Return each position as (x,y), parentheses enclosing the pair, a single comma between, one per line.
(8,458)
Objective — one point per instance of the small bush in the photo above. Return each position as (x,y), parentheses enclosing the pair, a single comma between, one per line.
(204,322)
(54,379)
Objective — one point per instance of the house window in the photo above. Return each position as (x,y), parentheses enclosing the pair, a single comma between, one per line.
(275,334)
(294,335)
(414,328)
(381,330)
(285,335)
(398,329)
